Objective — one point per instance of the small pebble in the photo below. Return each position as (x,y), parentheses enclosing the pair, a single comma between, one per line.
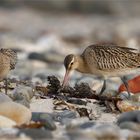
(60,116)
(23,92)
(44,118)
(136,97)
(128,105)
(124,95)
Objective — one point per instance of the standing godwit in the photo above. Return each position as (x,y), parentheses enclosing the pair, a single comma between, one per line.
(104,60)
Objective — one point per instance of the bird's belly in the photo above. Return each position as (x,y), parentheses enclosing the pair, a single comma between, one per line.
(3,72)
(114,73)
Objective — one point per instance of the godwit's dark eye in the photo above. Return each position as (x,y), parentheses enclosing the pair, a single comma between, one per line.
(71,63)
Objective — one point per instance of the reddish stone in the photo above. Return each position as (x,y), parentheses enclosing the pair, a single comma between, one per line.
(134,85)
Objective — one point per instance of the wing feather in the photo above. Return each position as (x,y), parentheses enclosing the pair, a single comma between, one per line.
(111,57)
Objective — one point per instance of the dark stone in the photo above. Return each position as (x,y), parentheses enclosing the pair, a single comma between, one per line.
(37,56)
(86,125)
(64,115)
(130,125)
(138,117)
(50,57)
(36,133)
(132,116)
(77,101)
(44,118)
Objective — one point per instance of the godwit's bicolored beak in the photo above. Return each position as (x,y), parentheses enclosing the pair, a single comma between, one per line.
(66,78)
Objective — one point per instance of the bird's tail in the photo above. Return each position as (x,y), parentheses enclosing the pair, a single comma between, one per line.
(138,60)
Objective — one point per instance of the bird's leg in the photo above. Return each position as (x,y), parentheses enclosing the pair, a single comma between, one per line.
(124,80)
(103,87)
(6,85)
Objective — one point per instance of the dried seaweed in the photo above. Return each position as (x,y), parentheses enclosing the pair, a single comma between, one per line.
(83,112)
(76,101)
(81,90)
(67,90)
(42,89)
(111,107)
(54,85)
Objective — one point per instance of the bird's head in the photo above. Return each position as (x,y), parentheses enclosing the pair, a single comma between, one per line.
(70,63)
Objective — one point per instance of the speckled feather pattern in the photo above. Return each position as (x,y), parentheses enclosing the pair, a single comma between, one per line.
(8,60)
(111,57)
(8,55)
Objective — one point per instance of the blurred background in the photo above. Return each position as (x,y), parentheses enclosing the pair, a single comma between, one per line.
(75,21)
(45,31)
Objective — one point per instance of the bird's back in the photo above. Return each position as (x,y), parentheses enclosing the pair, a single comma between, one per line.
(110,58)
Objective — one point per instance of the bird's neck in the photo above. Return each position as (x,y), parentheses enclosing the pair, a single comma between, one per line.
(82,66)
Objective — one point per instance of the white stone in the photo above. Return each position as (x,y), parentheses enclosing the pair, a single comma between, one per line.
(4,98)
(42,105)
(6,122)
(17,112)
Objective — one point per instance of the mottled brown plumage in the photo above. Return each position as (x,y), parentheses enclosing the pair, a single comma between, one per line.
(110,60)
(104,60)
(8,60)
